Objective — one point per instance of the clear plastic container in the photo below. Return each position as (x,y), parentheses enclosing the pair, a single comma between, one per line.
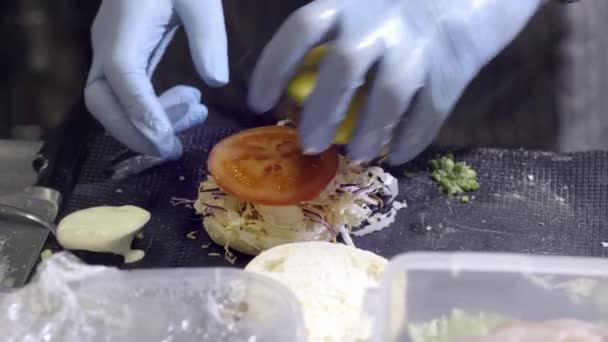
(420,289)
(71,302)
(217,304)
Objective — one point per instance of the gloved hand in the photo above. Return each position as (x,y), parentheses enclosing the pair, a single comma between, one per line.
(427,52)
(129,38)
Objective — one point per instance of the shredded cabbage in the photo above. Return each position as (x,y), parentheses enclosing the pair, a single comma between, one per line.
(351,199)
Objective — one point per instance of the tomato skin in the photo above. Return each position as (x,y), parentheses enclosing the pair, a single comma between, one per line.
(266,166)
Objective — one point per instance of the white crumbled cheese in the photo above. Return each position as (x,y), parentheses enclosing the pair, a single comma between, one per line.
(605,244)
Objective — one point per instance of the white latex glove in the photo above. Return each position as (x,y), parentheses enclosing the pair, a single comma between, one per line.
(427,52)
(129,38)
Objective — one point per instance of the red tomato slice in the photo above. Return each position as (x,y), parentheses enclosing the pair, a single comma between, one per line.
(266,166)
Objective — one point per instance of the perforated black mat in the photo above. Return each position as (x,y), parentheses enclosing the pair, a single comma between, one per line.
(529,202)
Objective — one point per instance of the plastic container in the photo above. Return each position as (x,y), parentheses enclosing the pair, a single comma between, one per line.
(418,288)
(70,302)
(218,304)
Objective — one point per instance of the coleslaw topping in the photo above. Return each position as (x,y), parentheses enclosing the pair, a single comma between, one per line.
(350,203)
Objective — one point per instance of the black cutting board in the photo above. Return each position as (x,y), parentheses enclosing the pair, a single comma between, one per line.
(529,202)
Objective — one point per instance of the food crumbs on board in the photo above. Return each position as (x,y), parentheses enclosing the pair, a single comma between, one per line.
(409,174)
(605,244)
(465,199)
(192,235)
(140,235)
(205,246)
(182,202)
(182,178)
(119,191)
(229,256)
(45,254)
(214,254)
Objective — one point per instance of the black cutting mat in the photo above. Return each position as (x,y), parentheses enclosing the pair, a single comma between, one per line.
(530,202)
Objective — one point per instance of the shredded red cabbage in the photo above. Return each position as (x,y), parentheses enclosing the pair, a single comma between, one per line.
(363,189)
(322,220)
(211,190)
(214,207)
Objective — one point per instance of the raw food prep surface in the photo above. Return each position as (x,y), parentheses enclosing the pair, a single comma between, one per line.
(531,202)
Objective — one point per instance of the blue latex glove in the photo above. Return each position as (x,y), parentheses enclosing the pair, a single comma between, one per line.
(129,38)
(427,52)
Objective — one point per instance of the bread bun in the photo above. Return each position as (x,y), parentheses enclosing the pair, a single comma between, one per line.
(252,243)
(330,281)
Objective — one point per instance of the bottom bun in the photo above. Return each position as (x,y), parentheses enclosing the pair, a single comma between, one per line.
(252,243)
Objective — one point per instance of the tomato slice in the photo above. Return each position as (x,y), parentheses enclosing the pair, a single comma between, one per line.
(266,166)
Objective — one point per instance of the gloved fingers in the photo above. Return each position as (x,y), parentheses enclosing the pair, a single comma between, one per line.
(125,69)
(459,49)
(133,33)
(185,115)
(448,73)
(206,31)
(126,31)
(178,95)
(136,95)
(454,58)
(456,52)
(95,71)
(279,60)
(183,107)
(104,106)
(400,75)
(159,51)
(454,61)
(342,71)
(99,39)
(181,104)
(417,128)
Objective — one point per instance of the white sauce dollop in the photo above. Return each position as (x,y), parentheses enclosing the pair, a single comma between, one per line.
(104,229)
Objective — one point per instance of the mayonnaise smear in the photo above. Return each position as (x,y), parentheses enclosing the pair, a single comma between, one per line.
(104,229)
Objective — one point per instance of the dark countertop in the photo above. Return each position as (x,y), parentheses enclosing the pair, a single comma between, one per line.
(529,202)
